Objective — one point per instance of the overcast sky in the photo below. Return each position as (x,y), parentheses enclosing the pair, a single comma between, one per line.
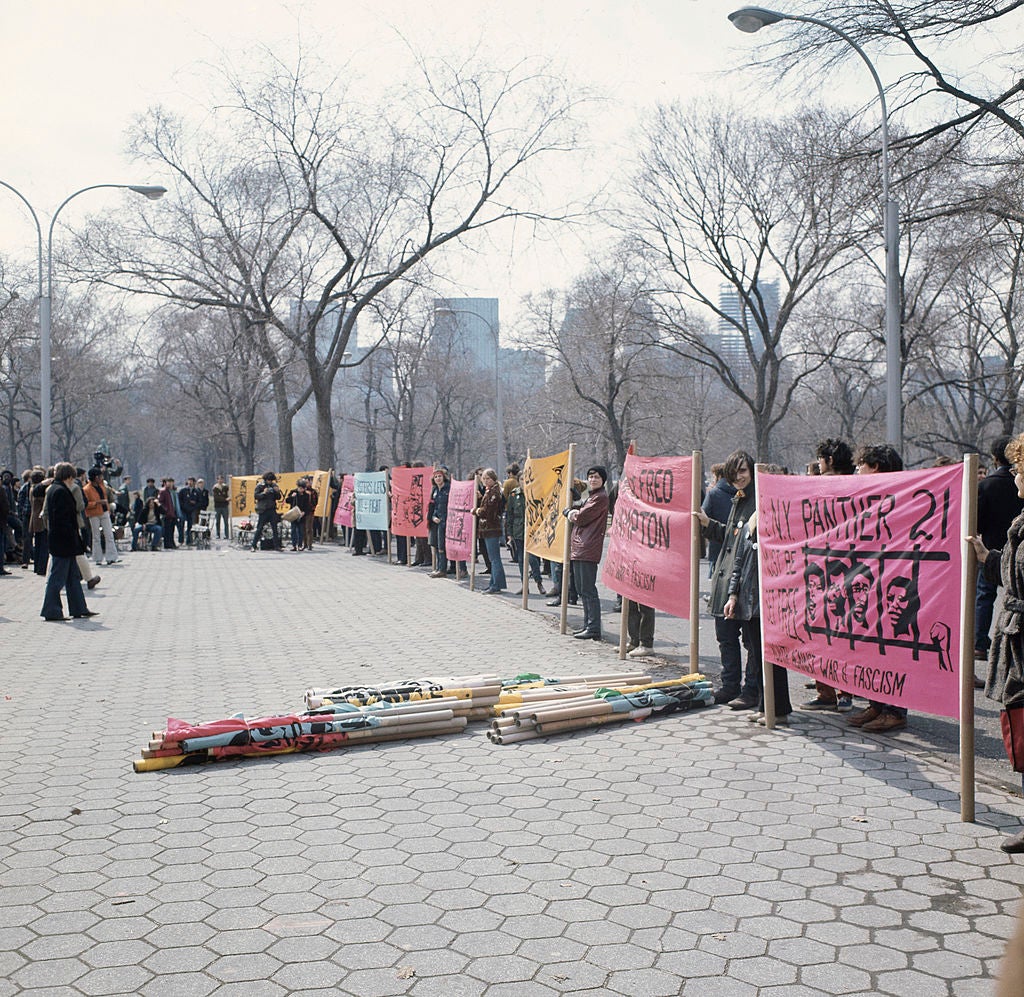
(75,72)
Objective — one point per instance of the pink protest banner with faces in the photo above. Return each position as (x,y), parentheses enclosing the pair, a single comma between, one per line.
(649,540)
(410,493)
(860,582)
(346,502)
(458,533)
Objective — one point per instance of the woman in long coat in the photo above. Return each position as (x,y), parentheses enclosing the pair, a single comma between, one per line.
(1005,682)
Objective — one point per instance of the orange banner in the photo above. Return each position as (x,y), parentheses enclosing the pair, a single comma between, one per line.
(546,487)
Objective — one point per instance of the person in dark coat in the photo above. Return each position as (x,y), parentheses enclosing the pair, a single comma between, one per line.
(65,544)
(1005,683)
(738,689)
(589,520)
(437,514)
(998,506)
(743,605)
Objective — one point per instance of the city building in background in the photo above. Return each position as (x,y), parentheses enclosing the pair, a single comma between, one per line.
(730,343)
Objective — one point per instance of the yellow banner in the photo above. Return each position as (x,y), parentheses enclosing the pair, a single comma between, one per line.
(242,487)
(243,502)
(546,487)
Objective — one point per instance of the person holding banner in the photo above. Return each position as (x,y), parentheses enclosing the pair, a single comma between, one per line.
(882,718)
(489,514)
(743,605)
(589,523)
(1005,682)
(739,690)
(832,456)
(515,532)
(437,513)
(998,506)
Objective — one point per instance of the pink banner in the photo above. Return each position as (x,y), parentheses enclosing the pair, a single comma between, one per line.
(410,494)
(346,502)
(458,534)
(860,582)
(649,546)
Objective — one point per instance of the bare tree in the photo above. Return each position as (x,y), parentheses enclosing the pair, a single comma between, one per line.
(215,362)
(323,202)
(723,202)
(932,33)
(599,340)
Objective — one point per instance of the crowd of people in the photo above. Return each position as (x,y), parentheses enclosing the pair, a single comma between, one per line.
(71,519)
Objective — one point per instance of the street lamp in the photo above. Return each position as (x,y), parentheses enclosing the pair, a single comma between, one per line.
(751,19)
(149,191)
(499,417)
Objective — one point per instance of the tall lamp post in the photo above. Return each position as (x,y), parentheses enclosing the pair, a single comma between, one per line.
(45,300)
(751,19)
(499,416)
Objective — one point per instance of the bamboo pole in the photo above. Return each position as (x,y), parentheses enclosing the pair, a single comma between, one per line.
(624,628)
(526,553)
(580,722)
(695,490)
(968,585)
(767,676)
(472,542)
(563,607)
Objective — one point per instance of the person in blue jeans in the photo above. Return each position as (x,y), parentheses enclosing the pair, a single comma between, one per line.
(489,528)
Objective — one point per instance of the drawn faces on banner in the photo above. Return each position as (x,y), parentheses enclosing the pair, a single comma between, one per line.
(861,582)
(458,534)
(546,494)
(343,515)
(409,496)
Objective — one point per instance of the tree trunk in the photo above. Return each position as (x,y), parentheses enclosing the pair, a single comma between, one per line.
(325,438)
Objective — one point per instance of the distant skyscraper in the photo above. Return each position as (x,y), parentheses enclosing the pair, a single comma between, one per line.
(468,327)
(731,344)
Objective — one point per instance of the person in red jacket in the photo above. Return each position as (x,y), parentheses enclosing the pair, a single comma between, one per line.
(589,518)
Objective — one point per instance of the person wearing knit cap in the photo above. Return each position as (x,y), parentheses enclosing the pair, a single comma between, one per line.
(589,518)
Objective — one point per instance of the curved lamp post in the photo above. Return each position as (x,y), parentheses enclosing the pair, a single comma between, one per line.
(751,19)
(499,417)
(154,193)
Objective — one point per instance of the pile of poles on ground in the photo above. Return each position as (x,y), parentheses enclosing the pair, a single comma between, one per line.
(527,706)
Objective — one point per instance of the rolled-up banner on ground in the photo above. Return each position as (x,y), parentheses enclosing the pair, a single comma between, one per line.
(546,488)
(649,543)
(860,582)
(458,534)
(346,502)
(371,500)
(410,493)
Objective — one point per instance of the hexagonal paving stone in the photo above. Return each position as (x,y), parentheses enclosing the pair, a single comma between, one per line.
(238,968)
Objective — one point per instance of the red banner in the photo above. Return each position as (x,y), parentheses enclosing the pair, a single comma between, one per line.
(346,502)
(860,582)
(649,546)
(458,534)
(410,495)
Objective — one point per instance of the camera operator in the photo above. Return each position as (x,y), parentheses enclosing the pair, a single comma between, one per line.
(267,495)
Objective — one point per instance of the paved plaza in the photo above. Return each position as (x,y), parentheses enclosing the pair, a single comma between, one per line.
(695,854)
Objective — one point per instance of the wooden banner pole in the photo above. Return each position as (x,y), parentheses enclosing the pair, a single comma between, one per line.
(767,671)
(566,564)
(472,543)
(968,585)
(624,602)
(695,490)
(526,553)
